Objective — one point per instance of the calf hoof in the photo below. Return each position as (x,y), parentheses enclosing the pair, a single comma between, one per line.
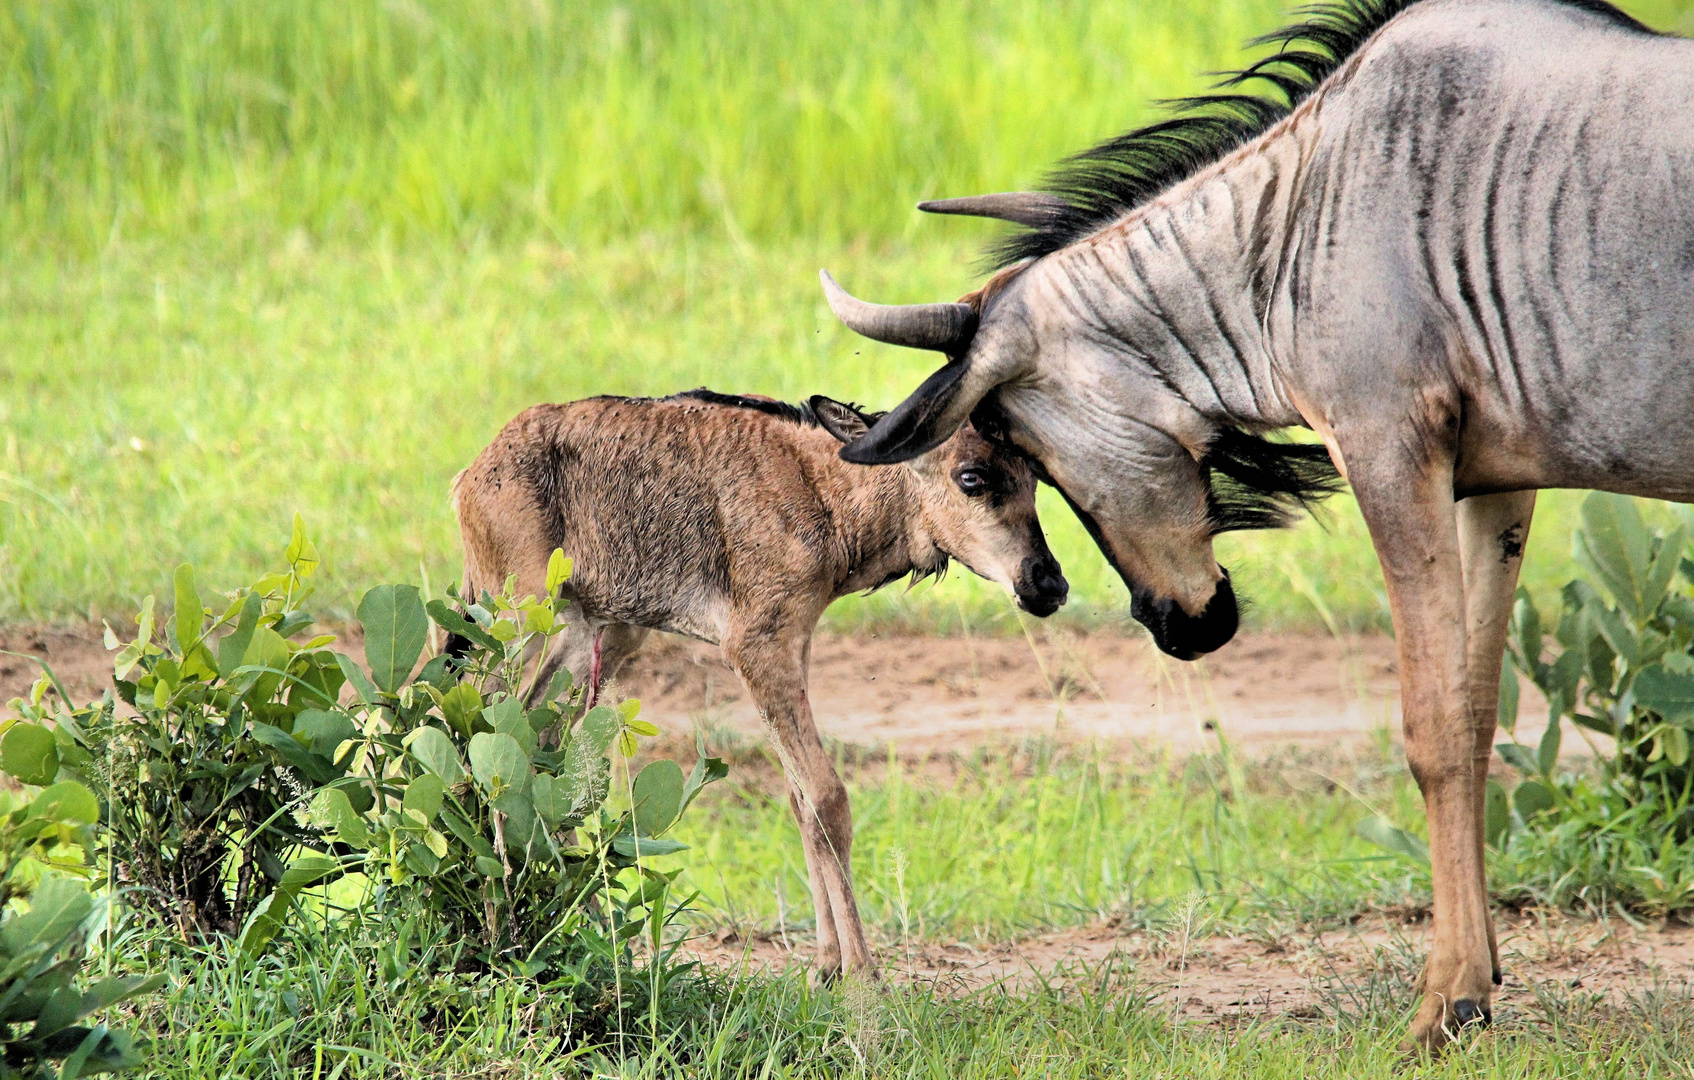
(1469,1012)
(826,976)
(1436,1025)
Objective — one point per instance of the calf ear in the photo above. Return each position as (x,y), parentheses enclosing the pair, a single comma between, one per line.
(919,424)
(839,418)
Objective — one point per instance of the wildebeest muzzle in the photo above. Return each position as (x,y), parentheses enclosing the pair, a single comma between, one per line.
(1041,586)
(1185,636)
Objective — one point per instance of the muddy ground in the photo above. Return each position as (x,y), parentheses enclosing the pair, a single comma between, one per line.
(1229,979)
(927,694)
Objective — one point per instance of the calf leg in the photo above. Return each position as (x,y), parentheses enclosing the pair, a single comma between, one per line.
(592,652)
(1408,505)
(773,668)
(1493,530)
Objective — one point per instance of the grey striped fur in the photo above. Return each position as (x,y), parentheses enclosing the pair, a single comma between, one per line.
(1466,260)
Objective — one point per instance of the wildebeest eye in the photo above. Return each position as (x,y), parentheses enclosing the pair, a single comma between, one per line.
(972,482)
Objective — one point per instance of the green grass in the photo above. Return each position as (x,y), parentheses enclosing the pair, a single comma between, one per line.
(997,849)
(274,256)
(578,120)
(993,847)
(581,120)
(334,1019)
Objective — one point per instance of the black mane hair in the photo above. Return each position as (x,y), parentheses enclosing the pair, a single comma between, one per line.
(1101,184)
(795,414)
(1254,483)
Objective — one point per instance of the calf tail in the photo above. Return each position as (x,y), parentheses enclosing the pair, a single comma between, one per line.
(458,646)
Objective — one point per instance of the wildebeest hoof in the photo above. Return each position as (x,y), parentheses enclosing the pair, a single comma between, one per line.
(1468,1012)
(826,974)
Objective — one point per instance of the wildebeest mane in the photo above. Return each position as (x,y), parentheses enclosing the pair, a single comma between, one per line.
(1101,184)
(1254,483)
(782,410)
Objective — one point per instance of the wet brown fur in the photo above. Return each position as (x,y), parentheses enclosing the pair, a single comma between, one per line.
(734,521)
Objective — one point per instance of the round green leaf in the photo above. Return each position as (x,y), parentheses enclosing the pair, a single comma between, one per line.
(460,706)
(551,799)
(1532,797)
(658,797)
(267,649)
(331,809)
(424,795)
(436,752)
(29,754)
(67,802)
(498,762)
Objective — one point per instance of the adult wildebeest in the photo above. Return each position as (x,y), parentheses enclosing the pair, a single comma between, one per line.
(732,520)
(1463,254)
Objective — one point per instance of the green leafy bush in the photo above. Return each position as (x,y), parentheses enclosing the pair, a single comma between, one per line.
(46,835)
(494,818)
(1622,669)
(191,771)
(244,767)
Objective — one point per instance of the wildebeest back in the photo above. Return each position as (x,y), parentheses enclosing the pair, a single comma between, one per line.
(652,499)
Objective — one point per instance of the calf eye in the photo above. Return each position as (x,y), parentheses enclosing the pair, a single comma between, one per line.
(972,483)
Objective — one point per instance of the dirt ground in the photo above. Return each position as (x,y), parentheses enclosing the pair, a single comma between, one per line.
(936,694)
(1230,979)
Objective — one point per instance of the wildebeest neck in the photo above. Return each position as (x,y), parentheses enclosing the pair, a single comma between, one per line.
(1189,288)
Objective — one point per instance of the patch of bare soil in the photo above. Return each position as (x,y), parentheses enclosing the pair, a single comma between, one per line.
(926,695)
(937,694)
(1228,979)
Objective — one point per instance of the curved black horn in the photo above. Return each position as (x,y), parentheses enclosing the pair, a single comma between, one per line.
(1032,208)
(947,328)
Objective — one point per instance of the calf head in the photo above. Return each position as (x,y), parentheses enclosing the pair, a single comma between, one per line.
(977,503)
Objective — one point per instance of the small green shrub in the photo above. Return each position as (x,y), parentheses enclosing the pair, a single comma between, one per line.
(46,836)
(196,794)
(496,819)
(1623,669)
(247,767)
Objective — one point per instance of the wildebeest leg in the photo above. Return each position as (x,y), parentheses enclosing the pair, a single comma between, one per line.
(773,667)
(1411,513)
(1493,530)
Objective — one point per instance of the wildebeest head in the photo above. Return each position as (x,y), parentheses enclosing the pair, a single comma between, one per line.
(1135,461)
(977,505)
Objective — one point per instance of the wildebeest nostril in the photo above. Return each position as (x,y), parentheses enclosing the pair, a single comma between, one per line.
(1185,636)
(1041,586)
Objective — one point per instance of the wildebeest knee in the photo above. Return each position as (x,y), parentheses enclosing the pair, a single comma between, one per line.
(1435,759)
(825,802)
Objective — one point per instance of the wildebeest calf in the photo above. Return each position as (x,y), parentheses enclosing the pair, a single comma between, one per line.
(733,520)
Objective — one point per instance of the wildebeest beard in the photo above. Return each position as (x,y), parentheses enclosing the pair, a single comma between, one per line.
(1251,482)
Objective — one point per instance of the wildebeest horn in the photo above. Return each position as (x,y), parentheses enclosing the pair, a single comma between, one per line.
(1032,208)
(944,327)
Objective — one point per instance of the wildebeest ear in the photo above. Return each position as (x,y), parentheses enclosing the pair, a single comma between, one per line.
(919,424)
(840,419)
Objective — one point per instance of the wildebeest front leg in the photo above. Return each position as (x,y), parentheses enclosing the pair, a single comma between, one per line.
(1493,530)
(1413,521)
(775,673)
